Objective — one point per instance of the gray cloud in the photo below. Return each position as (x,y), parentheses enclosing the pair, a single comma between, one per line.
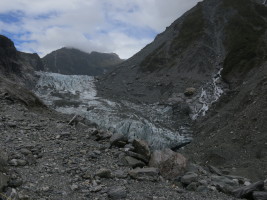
(90,24)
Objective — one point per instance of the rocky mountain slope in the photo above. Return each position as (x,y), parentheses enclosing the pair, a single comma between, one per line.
(72,61)
(217,48)
(18,66)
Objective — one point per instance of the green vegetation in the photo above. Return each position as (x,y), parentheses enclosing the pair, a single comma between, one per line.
(244,37)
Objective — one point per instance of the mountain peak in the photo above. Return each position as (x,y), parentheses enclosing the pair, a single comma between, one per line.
(77,62)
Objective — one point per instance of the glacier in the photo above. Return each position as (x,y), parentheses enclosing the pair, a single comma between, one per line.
(77,94)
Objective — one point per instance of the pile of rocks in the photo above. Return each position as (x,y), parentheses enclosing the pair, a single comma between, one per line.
(169,165)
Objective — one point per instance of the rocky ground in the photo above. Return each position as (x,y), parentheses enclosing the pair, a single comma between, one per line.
(42,157)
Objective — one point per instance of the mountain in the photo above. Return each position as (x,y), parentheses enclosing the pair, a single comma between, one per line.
(213,57)
(214,35)
(71,61)
(18,66)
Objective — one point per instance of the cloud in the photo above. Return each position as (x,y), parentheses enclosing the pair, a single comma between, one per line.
(123,27)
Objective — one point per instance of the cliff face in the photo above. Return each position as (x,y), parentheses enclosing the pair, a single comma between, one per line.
(18,66)
(75,62)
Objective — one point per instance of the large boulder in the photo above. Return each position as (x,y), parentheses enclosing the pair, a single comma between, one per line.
(170,163)
(117,192)
(189,91)
(118,140)
(189,178)
(150,174)
(134,162)
(141,147)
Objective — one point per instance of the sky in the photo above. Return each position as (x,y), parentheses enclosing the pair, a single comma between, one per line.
(119,26)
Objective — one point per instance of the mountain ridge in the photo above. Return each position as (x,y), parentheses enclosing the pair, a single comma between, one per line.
(71,61)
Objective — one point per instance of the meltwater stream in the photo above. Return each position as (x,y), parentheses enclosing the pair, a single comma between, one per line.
(76,94)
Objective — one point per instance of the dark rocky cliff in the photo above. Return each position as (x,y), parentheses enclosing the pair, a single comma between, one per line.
(75,62)
(18,66)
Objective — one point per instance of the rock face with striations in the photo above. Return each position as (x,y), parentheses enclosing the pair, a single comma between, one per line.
(71,61)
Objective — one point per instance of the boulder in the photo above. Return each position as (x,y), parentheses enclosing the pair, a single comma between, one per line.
(118,140)
(260,195)
(170,163)
(137,156)
(189,91)
(141,147)
(134,162)
(247,191)
(215,170)
(103,173)
(118,192)
(145,173)
(189,178)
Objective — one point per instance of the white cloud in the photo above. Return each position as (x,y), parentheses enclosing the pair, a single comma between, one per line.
(46,25)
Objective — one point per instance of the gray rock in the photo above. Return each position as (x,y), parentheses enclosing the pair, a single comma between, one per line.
(202,189)
(12,194)
(103,173)
(120,174)
(3,181)
(223,180)
(170,163)
(247,191)
(192,186)
(241,180)
(21,162)
(214,170)
(196,169)
(118,140)
(141,147)
(96,188)
(15,182)
(145,173)
(137,156)
(11,124)
(45,189)
(13,162)
(129,147)
(189,178)
(134,162)
(25,151)
(74,187)
(259,195)
(117,193)
(30,159)
(3,160)
(189,91)
(87,175)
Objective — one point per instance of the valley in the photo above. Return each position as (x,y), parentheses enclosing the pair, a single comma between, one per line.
(184,118)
